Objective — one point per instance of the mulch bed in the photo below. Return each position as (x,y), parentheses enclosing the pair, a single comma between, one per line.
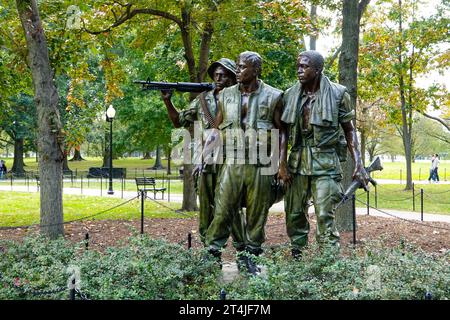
(105,233)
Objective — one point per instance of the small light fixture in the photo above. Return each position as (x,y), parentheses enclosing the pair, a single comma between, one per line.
(111,112)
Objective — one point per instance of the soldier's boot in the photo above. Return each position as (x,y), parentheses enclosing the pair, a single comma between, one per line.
(216,255)
(296,253)
(252,268)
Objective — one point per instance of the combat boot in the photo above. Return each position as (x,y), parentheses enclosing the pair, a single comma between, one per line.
(296,253)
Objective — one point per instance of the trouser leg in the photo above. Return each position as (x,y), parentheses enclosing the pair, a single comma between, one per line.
(206,199)
(227,199)
(326,192)
(258,187)
(296,207)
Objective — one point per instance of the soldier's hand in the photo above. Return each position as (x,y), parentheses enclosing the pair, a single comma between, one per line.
(166,94)
(283,175)
(360,174)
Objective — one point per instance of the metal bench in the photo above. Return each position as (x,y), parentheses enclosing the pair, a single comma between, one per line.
(149,184)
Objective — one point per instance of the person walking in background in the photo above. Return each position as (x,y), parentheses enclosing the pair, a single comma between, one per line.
(3,169)
(435,166)
(431,176)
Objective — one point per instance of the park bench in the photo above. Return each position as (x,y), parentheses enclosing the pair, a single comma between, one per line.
(148,184)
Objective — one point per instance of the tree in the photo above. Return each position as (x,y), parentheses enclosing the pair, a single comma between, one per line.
(50,132)
(348,64)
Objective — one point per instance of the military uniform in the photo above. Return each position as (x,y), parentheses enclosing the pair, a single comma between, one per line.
(241,179)
(318,146)
(208,177)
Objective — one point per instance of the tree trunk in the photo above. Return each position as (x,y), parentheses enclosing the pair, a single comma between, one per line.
(50,133)
(406,123)
(169,158)
(147,155)
(77,156)
(17,167)
(313,35)
(348,63)
(158,163)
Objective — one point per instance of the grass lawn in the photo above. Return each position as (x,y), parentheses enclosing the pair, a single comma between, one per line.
(436,198)
(420,170)
(22,208)
(139,167)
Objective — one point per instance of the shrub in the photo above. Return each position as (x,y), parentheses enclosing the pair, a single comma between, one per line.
(154,269)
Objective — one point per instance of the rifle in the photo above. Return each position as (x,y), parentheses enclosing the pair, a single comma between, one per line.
(374,166)
(178,86)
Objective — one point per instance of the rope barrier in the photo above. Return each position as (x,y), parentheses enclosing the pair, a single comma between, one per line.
(407,220)
(167,207)
(66,222)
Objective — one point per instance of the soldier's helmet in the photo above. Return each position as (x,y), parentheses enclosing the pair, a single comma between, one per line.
(228,64)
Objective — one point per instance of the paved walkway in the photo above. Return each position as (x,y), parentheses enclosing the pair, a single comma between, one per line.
(278,207)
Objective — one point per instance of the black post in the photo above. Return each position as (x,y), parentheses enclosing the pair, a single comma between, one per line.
(223,294)
(368,199)
(86,238)
(168,190)
(121,185)
(142,210)
(421,204)
(72,291)
(189,240)
(12,181)
(414,198)
(28,182)
(354,218)
(110,190)
(376,197)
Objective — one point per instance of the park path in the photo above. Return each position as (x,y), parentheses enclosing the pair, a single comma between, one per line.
(277,207)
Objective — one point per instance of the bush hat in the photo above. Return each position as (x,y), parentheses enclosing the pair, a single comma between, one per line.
(228,64)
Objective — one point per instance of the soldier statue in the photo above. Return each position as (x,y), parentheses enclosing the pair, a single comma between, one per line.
(319,114)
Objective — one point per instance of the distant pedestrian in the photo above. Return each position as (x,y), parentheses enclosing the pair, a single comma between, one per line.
(3,169)
(431,176)
(435,166)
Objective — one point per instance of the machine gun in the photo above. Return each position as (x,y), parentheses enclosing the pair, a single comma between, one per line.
(374,166)
(178,86)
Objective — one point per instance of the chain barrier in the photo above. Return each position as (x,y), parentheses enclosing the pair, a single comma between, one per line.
(167,207)
(429,197)
(34,292)
(66,222)
(407,220)
(82,295)
(433,193)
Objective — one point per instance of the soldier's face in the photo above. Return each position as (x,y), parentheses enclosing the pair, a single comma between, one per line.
(245,71)
(222,78)
(305,71)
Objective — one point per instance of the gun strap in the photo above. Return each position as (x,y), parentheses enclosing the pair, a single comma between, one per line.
(205,109)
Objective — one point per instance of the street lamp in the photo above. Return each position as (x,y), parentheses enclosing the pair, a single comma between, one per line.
(110,113)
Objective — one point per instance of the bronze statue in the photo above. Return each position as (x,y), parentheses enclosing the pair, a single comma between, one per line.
(249,105)
(204,108)
(316,109)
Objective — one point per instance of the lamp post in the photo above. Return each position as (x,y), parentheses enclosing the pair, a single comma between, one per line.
(110,113)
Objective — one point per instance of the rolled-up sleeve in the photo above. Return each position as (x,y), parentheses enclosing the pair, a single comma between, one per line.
(346,109)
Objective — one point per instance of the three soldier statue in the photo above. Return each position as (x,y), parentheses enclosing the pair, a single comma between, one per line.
(256,121)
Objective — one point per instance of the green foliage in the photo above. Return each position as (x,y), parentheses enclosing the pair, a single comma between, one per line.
(153,269)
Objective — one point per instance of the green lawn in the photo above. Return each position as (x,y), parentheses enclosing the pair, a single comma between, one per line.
(420,171)
(436,198)
(139,167)
(22,208)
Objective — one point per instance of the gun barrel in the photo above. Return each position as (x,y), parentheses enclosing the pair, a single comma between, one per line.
(178,86)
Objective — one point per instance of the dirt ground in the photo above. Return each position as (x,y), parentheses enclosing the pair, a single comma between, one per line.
(430,236)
